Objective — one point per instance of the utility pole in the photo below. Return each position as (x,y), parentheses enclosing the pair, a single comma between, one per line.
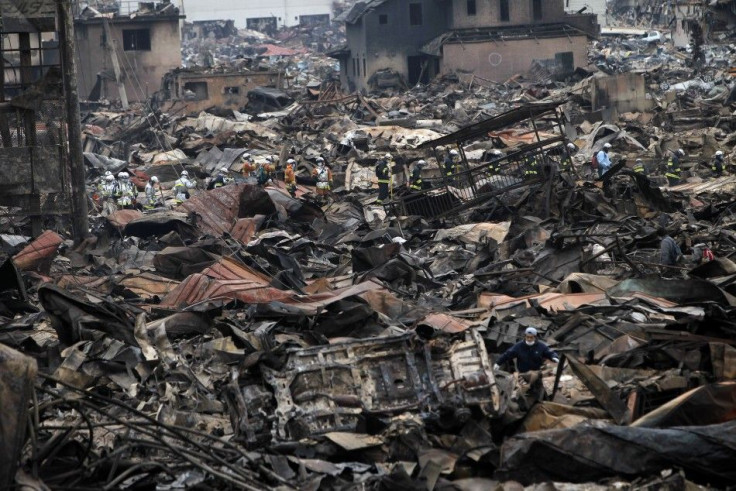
(67,49)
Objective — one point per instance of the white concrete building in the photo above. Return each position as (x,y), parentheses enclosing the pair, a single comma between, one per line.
(260,14)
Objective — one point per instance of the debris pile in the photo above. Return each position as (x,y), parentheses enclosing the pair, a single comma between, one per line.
(240,329)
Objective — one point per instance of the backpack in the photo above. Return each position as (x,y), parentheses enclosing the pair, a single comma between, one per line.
(594,161)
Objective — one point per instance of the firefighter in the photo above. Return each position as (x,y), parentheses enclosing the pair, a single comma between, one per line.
(532,167)
(639,167)
(182,187)
(265,170)
(124,192)
(290,177)
(673,167)
(108,192)
(150,191)
(248,167)
(415,180)
(323,176)
(451,164)
(717,165)
(221,179)
(383,174)
(494,165)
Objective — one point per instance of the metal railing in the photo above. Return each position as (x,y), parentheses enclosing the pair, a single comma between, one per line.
(446,195)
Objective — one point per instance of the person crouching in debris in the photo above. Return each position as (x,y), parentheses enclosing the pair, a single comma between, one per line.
(717,165)
(290,177)
(323,176)
(152,187)
(604,162)
(669,251)
(383,174)
(221,179)
(415,179)
(673,167)
(639,167)
(124,193)
(108,192)
(529,355)
(182,187)
(702,254)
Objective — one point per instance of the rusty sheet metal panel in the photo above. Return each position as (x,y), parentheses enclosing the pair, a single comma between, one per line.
(199,287)
(217,209)
(35,252)
(245,229)
(326,388)
(230,269)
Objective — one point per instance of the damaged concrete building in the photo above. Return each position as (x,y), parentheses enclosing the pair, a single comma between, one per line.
(263,16)
(127,55)
(490,39)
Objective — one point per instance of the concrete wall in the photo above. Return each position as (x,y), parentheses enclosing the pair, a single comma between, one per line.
(143,69)
(488,13)
(626,92)
(287,12)
(218,95)
(497,62)
(391,43)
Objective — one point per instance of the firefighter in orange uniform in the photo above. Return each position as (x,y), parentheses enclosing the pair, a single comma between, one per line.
(290,177)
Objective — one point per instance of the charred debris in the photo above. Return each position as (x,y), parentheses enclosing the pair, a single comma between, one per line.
(248,338)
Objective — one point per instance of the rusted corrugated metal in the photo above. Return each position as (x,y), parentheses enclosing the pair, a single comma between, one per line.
(230,269)
(35,252)
(199,287)
(121,218)
(245,228)
(147,285)
(445,323)
(216,209)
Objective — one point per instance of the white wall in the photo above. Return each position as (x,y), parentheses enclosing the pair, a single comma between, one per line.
(594,7)
(239,10)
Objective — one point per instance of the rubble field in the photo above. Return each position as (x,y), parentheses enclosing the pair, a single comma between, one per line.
(246,338)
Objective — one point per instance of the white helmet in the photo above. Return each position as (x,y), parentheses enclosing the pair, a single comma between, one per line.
(422,162)
(453,152)
(387,156)
(571,146)
(246,155)
(719,153)
(108,173)
(184,173)
(154,179)
(681,151)
(291,161)
(639,161)
(607,146)
(121,175)
(497,152)
(109,177)
(224,170)
(320,160)
(126,175)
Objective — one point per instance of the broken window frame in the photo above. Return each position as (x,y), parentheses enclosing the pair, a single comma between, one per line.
(415,14)
(191,85)
(137,39)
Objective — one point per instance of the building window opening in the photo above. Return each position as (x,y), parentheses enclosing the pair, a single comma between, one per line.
(415,14)
(196,91)
(537,9)
(503,11)
(136,40)
(471,7)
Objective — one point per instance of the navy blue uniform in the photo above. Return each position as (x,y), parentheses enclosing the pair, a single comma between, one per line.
(528,357)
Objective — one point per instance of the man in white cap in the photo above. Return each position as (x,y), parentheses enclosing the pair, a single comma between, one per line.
(529,355)
(415,180)
(222,178)
(717,165)
(124,193)
(604,163)
(452,163)
(673,167)
(383,175)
